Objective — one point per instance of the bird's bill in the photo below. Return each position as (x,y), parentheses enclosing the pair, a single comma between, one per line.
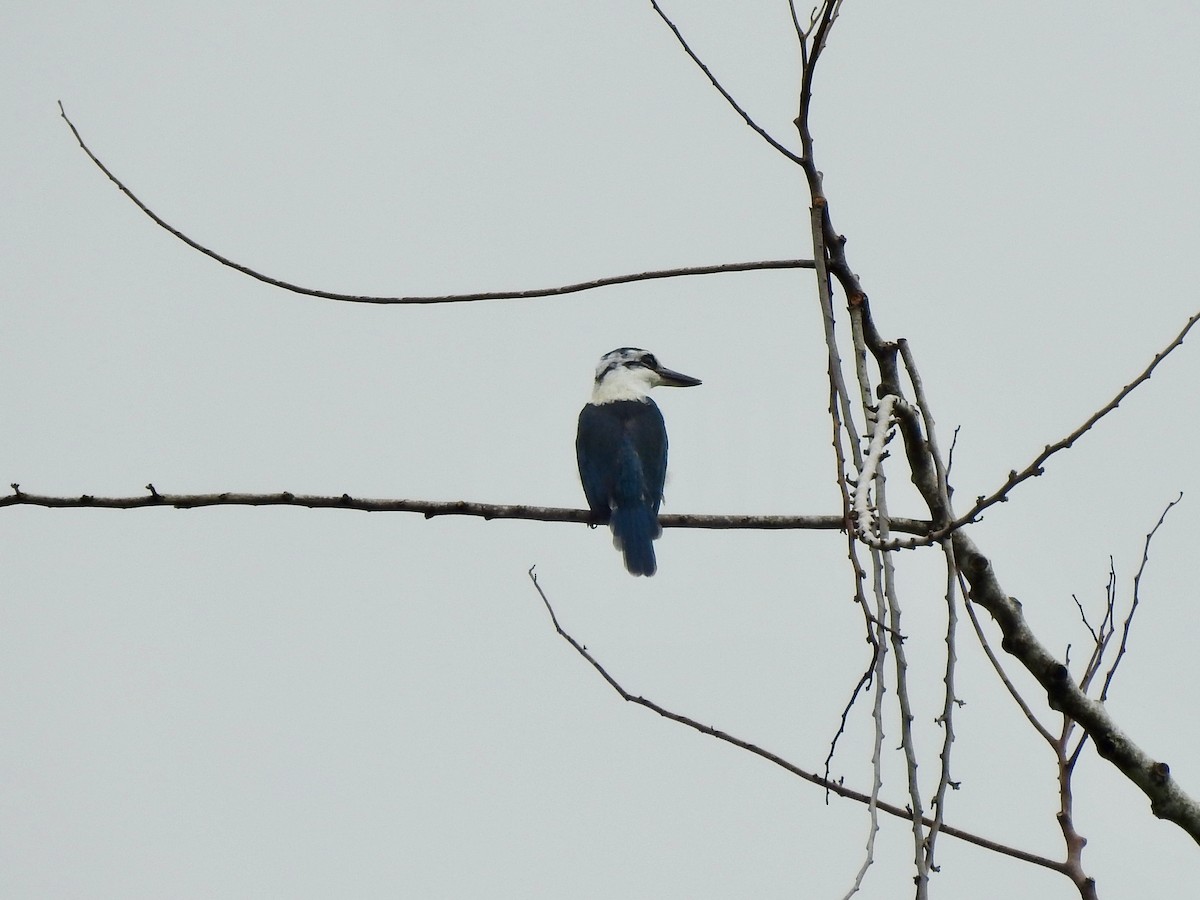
(676,379)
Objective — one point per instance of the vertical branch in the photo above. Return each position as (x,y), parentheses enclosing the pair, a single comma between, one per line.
(902,695)
(950,698)
(845,431)
(945,513)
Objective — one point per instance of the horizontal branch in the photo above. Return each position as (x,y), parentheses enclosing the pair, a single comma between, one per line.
(429,509)
(443,298)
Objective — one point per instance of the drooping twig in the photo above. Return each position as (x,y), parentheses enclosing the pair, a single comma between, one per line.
(837,788)
(443,298)
(877,661)
(949,700)
(998,667)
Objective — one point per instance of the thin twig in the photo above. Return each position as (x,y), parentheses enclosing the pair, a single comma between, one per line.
(443,298)
(1086,624)
(1137,584)
(1004,679)
(1103,634)
(864,680)
(1035,468)
(801,34)
(762,132)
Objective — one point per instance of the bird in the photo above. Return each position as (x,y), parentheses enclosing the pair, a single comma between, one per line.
(621,448)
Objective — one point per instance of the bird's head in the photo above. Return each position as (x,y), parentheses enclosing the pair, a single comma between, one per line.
(629,373)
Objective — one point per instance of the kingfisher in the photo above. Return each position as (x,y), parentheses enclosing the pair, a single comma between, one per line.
(621,448)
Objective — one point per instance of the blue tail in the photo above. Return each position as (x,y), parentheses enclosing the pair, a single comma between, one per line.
(634,529)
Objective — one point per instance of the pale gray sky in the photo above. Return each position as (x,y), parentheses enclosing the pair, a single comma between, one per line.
(283,702)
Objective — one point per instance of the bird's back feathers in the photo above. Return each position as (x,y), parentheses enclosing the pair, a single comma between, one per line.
(621,448)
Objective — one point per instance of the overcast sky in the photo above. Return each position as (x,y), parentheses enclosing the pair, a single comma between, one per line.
(238,702)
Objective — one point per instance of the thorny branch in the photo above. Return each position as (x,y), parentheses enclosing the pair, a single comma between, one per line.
(1167,799)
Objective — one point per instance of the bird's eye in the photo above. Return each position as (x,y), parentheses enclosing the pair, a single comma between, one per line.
(649,361)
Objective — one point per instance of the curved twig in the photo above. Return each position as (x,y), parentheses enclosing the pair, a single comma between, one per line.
(444,298)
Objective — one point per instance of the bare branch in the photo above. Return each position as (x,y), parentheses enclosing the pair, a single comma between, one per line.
(1153,777)
(865,680)
(444,298)
(877,663)
(833,786)
(762,132)
(1086,624)
(429,509)
(1101,635)
(1035,468)
(1075,842)
(886,589)
(1137,585)
(822,21)
(950,700)
(801,34)
(1003,676)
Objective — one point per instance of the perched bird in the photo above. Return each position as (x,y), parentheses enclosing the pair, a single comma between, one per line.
(621,447)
